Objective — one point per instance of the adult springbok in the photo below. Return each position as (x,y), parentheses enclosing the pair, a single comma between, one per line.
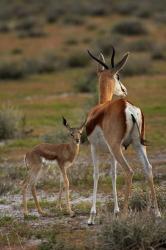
(112,125)
(41,156)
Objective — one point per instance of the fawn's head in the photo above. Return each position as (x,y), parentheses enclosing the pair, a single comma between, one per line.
(109,79)
(75,133)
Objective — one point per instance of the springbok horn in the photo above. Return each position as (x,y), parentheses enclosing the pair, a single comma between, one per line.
(112,58)
(99,61)
(99,66)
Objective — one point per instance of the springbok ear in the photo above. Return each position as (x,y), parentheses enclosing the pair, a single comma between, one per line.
(121,64)
(99,66)
(83,125)
(65,123)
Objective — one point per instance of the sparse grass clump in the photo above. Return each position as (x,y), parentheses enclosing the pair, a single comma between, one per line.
(130,27)
(10,122)
(134,233)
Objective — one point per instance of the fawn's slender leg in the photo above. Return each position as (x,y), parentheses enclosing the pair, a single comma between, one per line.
(39,209)
(66,184)
(141,152)
(24,193)
(60,192)
(95,178)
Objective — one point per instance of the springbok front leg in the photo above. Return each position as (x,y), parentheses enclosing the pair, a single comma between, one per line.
(60,192)
(24,193)
(128,175)
(95,178)
(142,155)
(113,174)
(66,184)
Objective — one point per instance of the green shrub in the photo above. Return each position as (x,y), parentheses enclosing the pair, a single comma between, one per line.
(73,20)
(71,41)
(86,84)
(78,59)
(134,233)
(141,45)
(29,27)
(103,44)
(137,66)
(130,27)
(126,8)
(4,27)
(11,70)
(158,53)
(10,122)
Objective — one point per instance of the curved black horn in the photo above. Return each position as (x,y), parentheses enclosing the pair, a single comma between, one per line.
(96,59)
(112,58)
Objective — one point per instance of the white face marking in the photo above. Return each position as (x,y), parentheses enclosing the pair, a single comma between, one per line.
(120,89)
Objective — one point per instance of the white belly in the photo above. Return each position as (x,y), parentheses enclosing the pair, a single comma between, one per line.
(98,140)
(48,163)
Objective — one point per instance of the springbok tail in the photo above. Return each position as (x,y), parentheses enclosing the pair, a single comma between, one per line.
(141,134)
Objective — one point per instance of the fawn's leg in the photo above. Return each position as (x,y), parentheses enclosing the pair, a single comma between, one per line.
(66,184)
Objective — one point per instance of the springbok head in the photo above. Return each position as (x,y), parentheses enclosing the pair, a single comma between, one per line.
(75,133)
(110,75)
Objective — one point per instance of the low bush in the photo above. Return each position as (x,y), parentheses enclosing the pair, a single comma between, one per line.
(134,233)
(73,20)
(158,53)
(141,45)
(4,27)
(78,59)
(126,8)
(86,84)
(137,66)
(10,122)
(29,27)
(103,44)
(11,70)
(130,27)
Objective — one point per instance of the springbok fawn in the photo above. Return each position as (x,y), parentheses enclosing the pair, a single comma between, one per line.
(113,124)
(45,154)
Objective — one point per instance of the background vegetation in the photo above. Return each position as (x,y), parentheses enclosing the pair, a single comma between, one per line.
(45,73)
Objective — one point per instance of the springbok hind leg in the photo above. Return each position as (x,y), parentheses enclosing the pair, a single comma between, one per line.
(95,178)
(24,193)
(142,155)
(128,175)
(113,174)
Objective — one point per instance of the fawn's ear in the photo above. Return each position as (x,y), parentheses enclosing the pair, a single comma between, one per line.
(65,123)
(83,125)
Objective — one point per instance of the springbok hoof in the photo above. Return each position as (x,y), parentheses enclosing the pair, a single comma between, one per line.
(116,213)
(91,223)
(91,220)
